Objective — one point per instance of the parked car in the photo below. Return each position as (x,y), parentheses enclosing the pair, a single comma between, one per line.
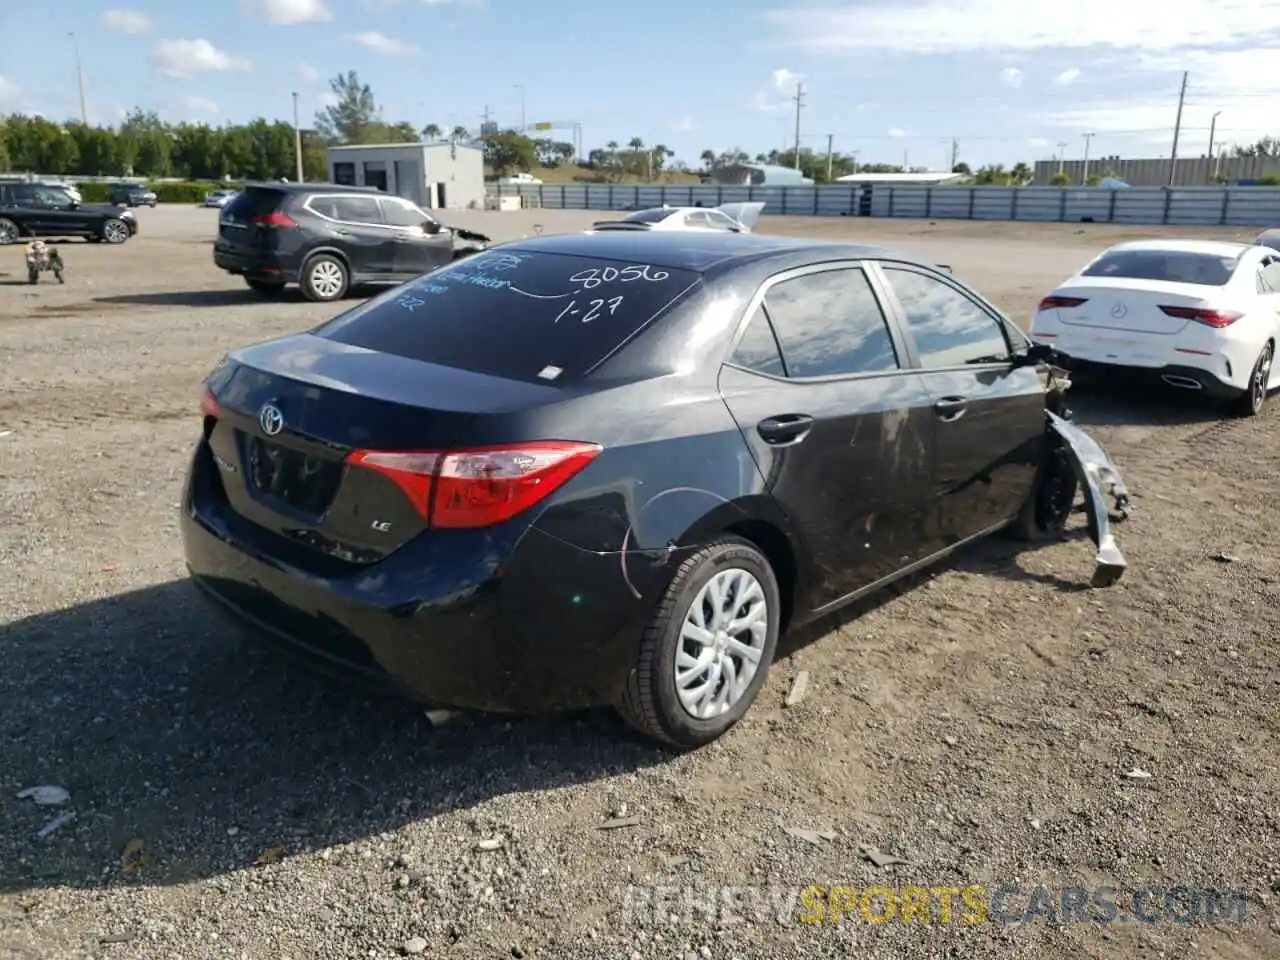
(71,189)
(1203,315)
(327,238)
(614,468)
(728,217)
(37,210)
(220,198)
(131,195)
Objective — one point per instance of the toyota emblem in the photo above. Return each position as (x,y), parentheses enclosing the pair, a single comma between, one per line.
(270,419)
(1118,311)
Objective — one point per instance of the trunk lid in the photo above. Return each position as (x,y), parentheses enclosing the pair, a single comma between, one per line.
(291,410)
(237,231)
(1133,306)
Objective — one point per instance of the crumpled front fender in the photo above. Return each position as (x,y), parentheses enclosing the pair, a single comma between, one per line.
(1098,476)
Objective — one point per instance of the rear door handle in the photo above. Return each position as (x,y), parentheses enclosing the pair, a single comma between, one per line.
(951,408)
(786,428)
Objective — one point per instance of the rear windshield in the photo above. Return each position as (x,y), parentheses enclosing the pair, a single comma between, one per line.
(1174,266)
(648,216)
(537,317)
(252,203)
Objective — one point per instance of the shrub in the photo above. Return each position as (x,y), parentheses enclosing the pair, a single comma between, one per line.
(181,192)
(93,192)
(1061,179)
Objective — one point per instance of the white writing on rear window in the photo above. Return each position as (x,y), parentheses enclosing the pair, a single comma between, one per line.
(591,310)
(594,277)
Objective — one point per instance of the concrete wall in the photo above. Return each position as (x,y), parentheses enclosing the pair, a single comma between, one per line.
(1202,206)
(1191,171)
(461,172)
(411,169)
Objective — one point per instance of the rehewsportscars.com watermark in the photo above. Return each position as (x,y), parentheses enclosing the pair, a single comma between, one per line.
(941,905)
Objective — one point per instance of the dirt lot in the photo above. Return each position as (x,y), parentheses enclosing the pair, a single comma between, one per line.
(979,723)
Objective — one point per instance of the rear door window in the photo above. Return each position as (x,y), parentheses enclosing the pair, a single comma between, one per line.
(758,348)
(253,203)
(537,317)
(1172,266)
(949,328)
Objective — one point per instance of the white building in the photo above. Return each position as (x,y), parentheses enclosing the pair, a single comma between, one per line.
(433,175)
(917,178)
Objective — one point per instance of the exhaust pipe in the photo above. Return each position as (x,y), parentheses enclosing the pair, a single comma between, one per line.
(1185,383)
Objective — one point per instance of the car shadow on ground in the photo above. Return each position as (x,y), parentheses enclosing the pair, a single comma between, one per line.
(203,298)
(160,722)
(1112,400)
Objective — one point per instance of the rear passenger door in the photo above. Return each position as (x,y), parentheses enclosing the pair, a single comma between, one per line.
(839,430)
(988,414)
(360,232)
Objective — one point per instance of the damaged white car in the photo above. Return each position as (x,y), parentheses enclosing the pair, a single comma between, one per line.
(726,218)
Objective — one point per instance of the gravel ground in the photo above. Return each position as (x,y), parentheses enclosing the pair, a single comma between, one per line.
(978,723)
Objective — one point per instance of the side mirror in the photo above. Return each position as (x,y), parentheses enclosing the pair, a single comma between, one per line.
(1036,353)
(431,227)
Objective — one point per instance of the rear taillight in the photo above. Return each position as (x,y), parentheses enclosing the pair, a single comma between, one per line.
(481,487)
(1053,303)
(209,404)
(277,220)
(1210,318)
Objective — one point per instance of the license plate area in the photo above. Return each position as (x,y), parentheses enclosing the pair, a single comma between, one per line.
(305,483)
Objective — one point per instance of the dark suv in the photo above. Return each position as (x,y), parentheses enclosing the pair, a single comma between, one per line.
(39,210)
(328,238)
(131,195)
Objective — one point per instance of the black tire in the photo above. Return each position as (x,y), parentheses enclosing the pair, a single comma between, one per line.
(1250,402)
(328,265)
(1048,507)
(649,701)
(114,231)
(267,288)
(33,275)
(9,231)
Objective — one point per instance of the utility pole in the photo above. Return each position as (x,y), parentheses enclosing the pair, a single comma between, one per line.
(486,116)
(1061,155)
(1177,129)
(955,153)
(799,98)
(297,137)
(1084,174)
(1213,126)
(84,106)
(830,140)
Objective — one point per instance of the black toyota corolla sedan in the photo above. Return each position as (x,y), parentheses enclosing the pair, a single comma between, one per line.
(612,469)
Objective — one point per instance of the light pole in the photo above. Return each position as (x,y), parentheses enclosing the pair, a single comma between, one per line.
(84,108)
(1084,174)
(297,138)
(524,122)
(1213,128)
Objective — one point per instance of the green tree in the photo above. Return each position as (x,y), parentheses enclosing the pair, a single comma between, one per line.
(508,151)
(1060,180)
(354,115)
(432,131)
(460,133)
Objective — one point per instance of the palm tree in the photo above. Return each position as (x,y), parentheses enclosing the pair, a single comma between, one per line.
(708,158)
(635,143)
(1020,173)
(460,133)
(432,131)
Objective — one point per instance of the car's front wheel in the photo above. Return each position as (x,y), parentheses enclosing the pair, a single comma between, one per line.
(1048,507)
(706,652)
(115,231)
(9,232)
(324,278)
(1249,403)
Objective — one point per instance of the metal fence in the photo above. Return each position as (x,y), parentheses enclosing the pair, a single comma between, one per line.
(1192,206)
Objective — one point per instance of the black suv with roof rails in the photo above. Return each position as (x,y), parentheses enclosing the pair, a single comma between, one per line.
(328,238)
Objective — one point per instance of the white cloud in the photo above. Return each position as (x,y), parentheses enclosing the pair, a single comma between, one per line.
(897,132)
(1067,77)
(771,98)
(1011,77)
(184,58)
(9,91)
(308,73)
(782,77)
(125,20)
(950,26)
(381,43)
(199,104)
(285,13)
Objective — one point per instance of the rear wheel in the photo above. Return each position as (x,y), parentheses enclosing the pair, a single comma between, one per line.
(267,288)
(1249,403)
(115,231)
(324,278)
(9,231)
(707,650)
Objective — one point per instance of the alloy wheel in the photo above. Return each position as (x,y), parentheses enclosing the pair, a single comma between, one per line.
(326,279)
(722,641)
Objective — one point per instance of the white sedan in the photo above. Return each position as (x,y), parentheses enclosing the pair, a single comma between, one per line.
(1203,314)
(728,217)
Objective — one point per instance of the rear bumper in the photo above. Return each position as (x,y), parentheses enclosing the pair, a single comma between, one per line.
(1180,376)
(552,627)
(255,266)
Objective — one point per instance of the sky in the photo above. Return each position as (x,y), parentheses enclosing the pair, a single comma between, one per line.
(1009,80)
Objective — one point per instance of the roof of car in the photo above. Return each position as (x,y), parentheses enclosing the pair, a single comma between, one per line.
(698,252)
(291,187)
(1213,248)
